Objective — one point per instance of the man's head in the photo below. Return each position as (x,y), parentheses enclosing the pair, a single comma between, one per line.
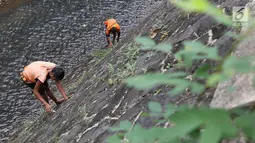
(57,73)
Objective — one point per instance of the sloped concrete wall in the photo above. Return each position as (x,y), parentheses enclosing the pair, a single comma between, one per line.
(244,92)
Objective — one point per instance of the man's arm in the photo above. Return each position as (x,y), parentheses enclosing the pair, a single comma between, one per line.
(61,89)
(36,89)
(50,93)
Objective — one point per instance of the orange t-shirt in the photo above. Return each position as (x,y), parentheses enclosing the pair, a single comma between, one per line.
(37,70)
(110,23)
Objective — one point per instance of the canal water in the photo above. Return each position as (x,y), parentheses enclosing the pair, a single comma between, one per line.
(60,31)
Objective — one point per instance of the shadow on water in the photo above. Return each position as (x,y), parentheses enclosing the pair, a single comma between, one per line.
(60,31)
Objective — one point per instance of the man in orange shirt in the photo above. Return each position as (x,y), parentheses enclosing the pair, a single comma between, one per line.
(35,76)
(113,27)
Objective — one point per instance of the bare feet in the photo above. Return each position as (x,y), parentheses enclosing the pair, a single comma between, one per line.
(110,45)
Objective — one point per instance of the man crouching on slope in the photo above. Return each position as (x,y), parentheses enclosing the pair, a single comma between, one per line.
(112,27)
(35,76)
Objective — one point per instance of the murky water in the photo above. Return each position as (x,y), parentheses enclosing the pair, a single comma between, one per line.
(61,31)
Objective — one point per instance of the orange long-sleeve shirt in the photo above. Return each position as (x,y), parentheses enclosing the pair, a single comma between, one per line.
(110,23)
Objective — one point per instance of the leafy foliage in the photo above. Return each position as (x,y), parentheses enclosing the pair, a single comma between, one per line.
(148,44)
(211,125)
(148,81)
(124,126)
(155,107)
(184,123)
(234,64)
(196,51)
(203,6)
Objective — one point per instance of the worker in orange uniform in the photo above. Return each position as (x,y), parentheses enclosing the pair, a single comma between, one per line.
(113,27)
(36,75)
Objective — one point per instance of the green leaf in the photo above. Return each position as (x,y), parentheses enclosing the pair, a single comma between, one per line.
(212,115)
(214,79)
(238,111)
(177,74)
(145,41)
(202,52)
(189,141)
(203,6)
(228,129)
(181,86)
(154,107)
(192,5)
(113,139)
(184,107)
(219,118)
(194,135)
(197,88)
(185,58)
(247,123)
(218,15)
(253,68)
(148,81)
(234,64)
(124,126)
(184,123)
(174,133)
(137,135)
(196,51)
(203,71)
(170,109)
(171,141)
(162,47)
(245,120)
(211,134)
(190,45)
(249,132)
(153,134)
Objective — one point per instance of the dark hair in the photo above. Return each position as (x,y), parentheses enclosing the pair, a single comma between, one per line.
(58,73)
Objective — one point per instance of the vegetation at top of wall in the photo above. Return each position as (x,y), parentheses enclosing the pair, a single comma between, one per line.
(189,123)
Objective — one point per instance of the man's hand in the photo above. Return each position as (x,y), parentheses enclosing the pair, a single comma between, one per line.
(48,108)
(60,101)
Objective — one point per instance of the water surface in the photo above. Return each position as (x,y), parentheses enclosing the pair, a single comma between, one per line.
(60,31)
